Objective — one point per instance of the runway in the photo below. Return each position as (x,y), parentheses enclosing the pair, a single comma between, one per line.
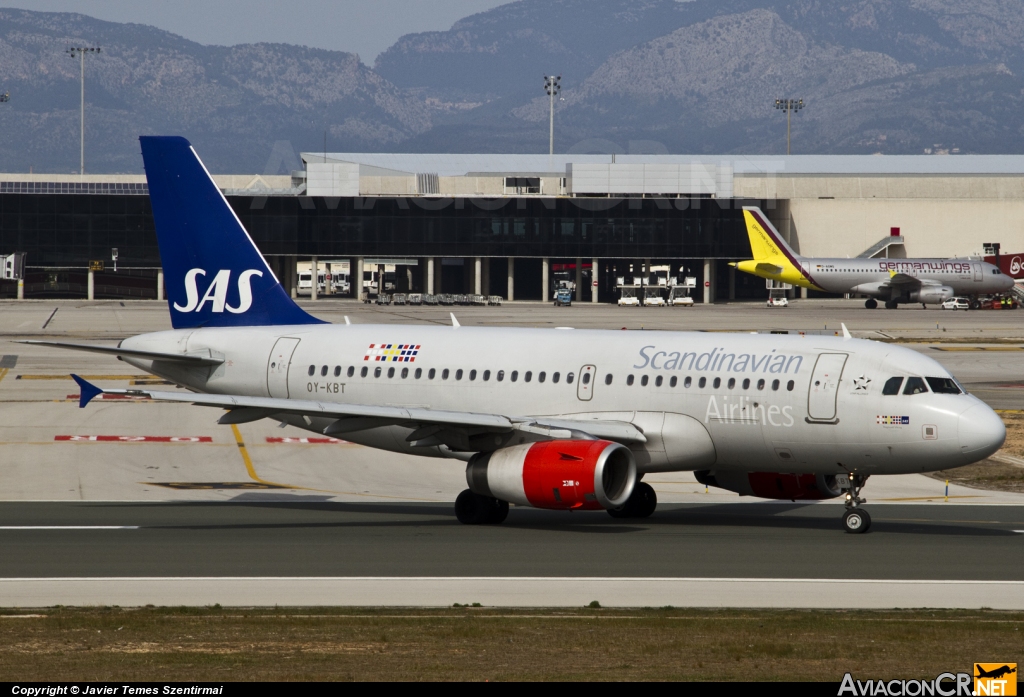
(417,554)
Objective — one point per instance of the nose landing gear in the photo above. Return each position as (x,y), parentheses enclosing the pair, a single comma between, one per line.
(855,519)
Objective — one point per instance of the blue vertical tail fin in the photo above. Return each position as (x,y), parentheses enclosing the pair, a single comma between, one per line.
(214,274)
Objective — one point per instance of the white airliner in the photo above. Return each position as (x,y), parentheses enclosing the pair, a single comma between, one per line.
(551,418)
(893,281)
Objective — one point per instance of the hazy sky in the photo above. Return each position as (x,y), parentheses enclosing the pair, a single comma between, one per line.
(366,27)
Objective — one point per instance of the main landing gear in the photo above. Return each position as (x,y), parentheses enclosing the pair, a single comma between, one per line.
(641,503)
(474,509)
(871,303)
(891,304)
(856,519)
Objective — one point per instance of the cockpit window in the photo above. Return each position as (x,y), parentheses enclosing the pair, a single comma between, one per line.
(892,386)
(944,385)
(915,386)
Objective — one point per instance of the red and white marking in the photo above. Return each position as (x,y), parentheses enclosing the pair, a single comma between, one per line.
(314,441)
(131,397)
(137,439)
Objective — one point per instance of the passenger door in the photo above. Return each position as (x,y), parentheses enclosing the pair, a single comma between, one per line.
(585,386)
(277,366)
(821,396)
(979,275)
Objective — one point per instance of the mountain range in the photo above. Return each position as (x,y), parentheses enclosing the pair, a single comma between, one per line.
(652,76)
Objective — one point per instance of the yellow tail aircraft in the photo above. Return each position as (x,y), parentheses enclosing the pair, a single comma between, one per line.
(893,281)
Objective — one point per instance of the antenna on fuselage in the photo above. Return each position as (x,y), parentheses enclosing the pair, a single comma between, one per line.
(455,322)
(347,320)
(846,332)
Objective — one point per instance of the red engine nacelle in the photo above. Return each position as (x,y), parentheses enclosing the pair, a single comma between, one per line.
(558,474)
(774,485)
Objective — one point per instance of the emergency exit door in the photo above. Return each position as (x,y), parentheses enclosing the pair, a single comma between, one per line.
(277,367)
(585,386)
(821,397)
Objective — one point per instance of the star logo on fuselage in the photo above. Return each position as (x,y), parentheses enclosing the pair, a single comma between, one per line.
(861,384)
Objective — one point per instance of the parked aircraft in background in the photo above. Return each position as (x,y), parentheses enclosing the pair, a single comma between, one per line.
(893,281)
(551,418)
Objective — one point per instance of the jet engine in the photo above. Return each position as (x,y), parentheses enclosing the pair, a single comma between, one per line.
(931,295)
(557,474)
(773,485)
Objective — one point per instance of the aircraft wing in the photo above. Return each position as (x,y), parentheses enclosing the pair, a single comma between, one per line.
(902,279)
(356,417)
(181,358)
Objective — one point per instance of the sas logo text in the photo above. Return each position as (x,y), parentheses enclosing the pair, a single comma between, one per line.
(883,420)
(995,679)
(217,292)
(393,353)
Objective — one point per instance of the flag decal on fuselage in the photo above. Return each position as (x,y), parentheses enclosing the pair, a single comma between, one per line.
(394,353)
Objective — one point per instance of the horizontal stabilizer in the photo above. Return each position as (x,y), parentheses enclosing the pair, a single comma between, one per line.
(770,269)
(180,358)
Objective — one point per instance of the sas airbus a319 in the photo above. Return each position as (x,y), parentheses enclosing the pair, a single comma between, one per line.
(550,418)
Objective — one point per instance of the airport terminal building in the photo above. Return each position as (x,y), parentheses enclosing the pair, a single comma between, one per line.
(509,225)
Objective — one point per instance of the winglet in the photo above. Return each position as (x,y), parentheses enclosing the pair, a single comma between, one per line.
(88,391)
(846,332)
(455,322)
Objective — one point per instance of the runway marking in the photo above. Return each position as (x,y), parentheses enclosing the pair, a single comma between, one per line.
(3,373)
(311,441)
(207,486)
(69,527)
(933,498)
(1019,531)
(249,466)
(136,439)
(978,348)
(66,376)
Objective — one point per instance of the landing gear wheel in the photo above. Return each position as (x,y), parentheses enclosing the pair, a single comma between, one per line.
(856,521)
(641,503)
(474,509)
(871,303)
(975,304)
(891,304)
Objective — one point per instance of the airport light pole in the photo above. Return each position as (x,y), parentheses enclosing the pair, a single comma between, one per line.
(789,106)
(552,85)
(79,52)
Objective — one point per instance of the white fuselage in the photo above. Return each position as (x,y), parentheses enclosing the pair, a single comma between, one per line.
(874,277)
(704,401)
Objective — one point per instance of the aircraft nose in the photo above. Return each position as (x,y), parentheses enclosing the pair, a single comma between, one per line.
(981,432)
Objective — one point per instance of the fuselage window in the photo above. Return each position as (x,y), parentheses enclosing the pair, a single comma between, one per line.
(790,385)
(472,375)
(312,370)
(915,386)
(323,372)
(419,373)
(487,375)
(702,382)
(607,379)
(732,383)
(943,385)
(337,371)
(391,372)
(501,375)
(555,377)
(629,379)
(542,376)
(405,373)
(363,372)
(528,376)
(643,381)
(775,385)
(458,374)
(658,380)
(376,372)
(673,382)
(746,383)
(569,378)
(760,384)
(444,374)
(351,370)
(585,378)
(514,375)
(687,382)
(892,386)
(431,373)
(717,383)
